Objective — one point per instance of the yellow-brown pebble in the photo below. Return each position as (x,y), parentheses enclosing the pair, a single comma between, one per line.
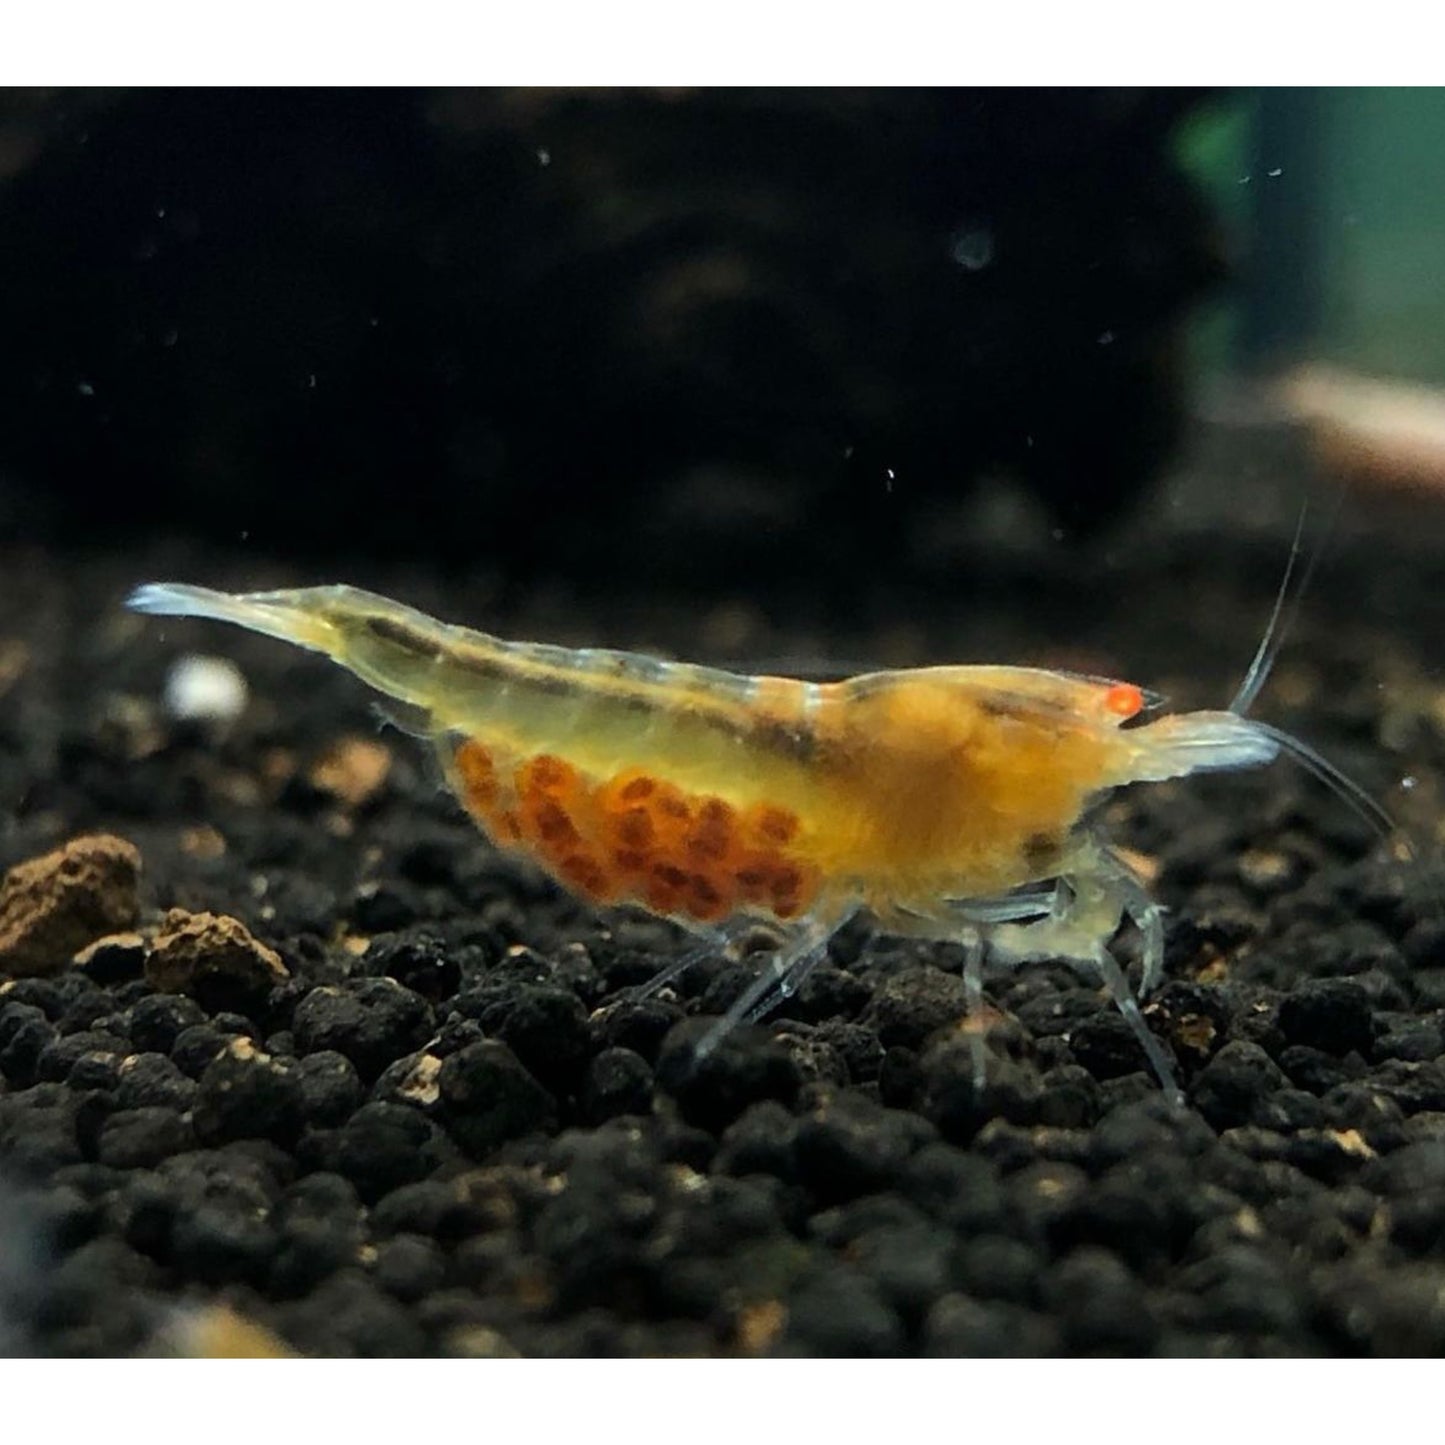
(217,1332)
(210,955)
(353,771)
(53,906)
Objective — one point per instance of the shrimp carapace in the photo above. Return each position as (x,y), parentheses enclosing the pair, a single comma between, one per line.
(938,798)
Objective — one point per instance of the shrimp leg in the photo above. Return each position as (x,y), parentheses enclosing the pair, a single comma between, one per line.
(979,915)
(804,947)
(711,943)
(1095,892)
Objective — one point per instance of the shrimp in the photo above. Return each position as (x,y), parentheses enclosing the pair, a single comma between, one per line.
(952,803)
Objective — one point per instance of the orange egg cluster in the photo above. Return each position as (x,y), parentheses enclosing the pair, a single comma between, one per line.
(638,837)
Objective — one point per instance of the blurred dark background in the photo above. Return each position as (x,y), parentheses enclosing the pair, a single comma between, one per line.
(670,332)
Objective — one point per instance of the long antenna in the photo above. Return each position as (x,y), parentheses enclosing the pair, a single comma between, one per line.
(1339,783)
(1286,606)
(1274,633)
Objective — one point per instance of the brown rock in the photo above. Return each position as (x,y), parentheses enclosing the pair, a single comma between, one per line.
(203,842)
(213,958)
(52,906)
(760,1325)
(217,1332)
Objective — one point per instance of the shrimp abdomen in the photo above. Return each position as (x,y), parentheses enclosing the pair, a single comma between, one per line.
(393,647)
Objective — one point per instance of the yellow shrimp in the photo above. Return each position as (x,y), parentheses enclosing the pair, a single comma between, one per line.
(948,801)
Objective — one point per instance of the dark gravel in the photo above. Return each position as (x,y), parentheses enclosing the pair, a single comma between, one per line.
(446,1128)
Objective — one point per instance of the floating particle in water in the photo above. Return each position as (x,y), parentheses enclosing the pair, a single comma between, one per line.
(200,687)
(972,247)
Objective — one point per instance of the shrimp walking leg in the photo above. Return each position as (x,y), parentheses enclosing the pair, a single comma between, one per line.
(973,1005)
(1148,917)
(986,913)
(1094,894)
(805,946)
(1128,1005)
(790,982)
(970,921)
(712,943)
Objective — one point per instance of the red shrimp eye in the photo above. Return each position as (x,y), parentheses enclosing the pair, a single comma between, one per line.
(1123,699)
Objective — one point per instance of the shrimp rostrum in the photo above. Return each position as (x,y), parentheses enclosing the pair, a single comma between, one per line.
(950,802)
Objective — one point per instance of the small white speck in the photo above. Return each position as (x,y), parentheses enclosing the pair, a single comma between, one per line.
(200,687)
(311,381)
(169,338)
(1408,782)
(889,477)
(1106,338)
(85,389)
(544,156)
(847,453)
(245,534)
(1057,534)
(1029,441)
(1277,171)
(374,321)
(1245,180)
(160,213)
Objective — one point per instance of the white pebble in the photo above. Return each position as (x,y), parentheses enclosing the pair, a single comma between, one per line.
(205,687)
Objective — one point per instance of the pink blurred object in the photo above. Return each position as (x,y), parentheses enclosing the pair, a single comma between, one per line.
(1385,433)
